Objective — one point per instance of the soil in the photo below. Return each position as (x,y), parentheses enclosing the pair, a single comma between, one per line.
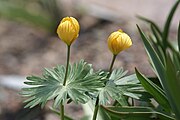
(26,50)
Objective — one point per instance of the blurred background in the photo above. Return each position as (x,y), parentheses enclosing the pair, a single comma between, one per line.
(28,42)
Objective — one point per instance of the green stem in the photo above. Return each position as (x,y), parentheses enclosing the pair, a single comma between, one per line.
(64,83)
(97,100)
(67,65)
(96,109)
(111,66)
(62,111)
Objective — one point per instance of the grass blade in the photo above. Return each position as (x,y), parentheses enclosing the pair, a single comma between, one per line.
(152,23)
(161,73)
(136,113)
(168,22)
(173,81)
(154,90)
(179,36)
(156,35)
(156,62)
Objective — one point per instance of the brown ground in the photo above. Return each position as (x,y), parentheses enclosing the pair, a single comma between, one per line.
(26,50)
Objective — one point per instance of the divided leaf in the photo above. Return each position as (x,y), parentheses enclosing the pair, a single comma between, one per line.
(80,80)
(119,86)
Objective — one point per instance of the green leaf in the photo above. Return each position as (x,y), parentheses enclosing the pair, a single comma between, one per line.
(156,62)
(102,114)
(156,35)
(108,92)
(154,90)
(160,70)
(80,80)
(136,113)
(131,87)
(119,86)
(152,23)
(176,61)
(131,79)
(157,43)
(117,74)
(173,81)
(179,36)
(167,24)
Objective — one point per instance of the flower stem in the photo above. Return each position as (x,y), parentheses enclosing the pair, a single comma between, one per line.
(96,109)
(97,100)
(62,111)
(67,65)
(64,83)
(111,66)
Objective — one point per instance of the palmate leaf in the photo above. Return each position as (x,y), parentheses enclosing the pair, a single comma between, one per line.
(110,91)
(80,80)
(118,86)
(131,87)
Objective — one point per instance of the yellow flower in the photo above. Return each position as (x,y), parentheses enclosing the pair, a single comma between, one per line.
(118,41)
(68,30)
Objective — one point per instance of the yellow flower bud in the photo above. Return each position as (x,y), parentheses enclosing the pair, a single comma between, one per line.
(118,41)
(68,30)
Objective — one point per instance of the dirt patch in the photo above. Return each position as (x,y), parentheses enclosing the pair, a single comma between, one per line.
(26,50)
